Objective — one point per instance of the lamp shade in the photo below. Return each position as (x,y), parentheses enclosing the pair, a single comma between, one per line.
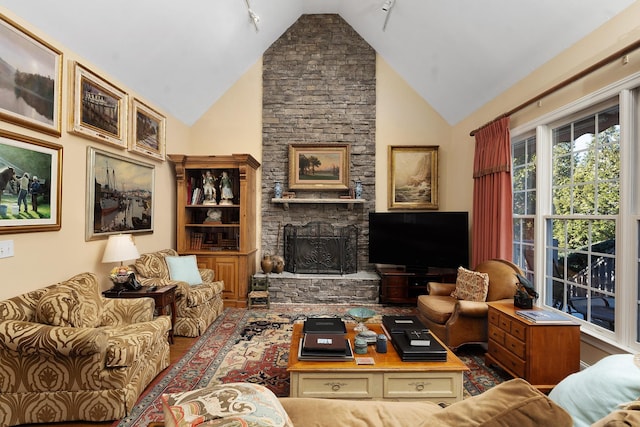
(120,247)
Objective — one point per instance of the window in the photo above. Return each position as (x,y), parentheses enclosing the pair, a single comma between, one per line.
(570,209)
(523,153)
(581,236)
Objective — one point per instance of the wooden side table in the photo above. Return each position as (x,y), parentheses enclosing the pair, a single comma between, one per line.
(164,297)
(543,354)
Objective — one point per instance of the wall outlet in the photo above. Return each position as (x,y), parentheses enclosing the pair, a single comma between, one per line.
(6,248)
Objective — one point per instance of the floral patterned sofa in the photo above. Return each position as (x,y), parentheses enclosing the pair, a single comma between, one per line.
(197,306)
(67,353)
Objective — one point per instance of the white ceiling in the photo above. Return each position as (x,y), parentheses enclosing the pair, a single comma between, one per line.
(183,55)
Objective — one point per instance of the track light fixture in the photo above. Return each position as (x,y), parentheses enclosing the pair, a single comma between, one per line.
(386,7)
(253,17)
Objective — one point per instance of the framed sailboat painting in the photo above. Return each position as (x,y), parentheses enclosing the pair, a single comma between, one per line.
(413,177)
(120,195)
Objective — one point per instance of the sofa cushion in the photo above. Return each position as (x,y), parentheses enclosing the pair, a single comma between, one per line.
(471,285)
(316,412)
(59,307)
(593,393)
(512,403)
(127,344)
(233,404)
(184,269)
(152,265)
(89,298)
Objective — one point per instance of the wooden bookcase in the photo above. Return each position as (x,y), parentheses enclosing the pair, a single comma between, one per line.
(226,244)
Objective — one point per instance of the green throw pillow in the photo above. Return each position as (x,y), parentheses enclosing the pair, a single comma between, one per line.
(184,269)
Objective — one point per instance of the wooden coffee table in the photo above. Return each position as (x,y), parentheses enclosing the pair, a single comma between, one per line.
(388,379)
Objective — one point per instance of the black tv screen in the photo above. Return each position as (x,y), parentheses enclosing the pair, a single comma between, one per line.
(419,240)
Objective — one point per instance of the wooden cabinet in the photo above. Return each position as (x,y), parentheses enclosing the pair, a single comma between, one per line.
(221,230)
(403,287)
(542,354)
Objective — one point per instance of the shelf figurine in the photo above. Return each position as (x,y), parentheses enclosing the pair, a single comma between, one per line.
(208,181)
(226,197)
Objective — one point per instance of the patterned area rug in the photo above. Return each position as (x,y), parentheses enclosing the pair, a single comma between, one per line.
(253,346)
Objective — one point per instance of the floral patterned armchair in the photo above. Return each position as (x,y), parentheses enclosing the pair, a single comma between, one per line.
(197,306)
(67,353)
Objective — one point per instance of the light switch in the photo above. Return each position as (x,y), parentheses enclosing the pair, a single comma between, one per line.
(6,248)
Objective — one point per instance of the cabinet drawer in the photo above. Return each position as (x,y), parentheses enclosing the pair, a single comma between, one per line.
(519,330)
(396,292)
(515,346)
(508,360)
(347,386)
(504,322)
(443,385)
(494,317)
(496,334)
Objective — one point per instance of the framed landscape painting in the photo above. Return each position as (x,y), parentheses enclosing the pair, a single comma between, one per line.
(319,166)
(413,177)
(119,195)
(99,109)
(30,184)
(147,131)
(30,80)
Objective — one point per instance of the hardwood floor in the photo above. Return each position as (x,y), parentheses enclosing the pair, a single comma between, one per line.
(178,349)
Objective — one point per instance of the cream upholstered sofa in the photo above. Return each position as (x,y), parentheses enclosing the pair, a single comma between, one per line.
(513,403)
(67,353)
(197,306)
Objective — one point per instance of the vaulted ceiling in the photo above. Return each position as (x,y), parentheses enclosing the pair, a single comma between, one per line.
(183,55)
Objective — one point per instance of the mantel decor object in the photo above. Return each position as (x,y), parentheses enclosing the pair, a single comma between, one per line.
(277,190)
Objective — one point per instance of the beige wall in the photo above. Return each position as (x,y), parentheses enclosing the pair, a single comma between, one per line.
(46,257)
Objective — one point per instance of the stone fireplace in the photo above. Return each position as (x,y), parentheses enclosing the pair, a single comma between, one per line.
(319,86)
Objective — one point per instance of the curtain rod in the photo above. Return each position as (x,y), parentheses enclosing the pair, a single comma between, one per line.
(620,53)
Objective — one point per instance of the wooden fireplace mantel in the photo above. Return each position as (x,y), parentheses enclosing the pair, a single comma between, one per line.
(349,202)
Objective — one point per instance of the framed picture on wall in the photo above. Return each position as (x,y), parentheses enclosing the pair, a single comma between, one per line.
(31,80)
(413,177)
(99,108)
(147,131)
(30,184)
(119,195)
(319,166)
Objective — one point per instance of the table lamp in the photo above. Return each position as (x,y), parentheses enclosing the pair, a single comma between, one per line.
(120,247)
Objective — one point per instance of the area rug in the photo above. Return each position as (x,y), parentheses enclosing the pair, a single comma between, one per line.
(253,346)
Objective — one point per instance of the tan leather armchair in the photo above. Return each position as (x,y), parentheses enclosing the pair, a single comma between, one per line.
(457,322)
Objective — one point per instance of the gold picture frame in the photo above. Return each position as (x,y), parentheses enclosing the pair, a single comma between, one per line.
(37,208)
(147,131)
(319,166)
(120,197)
(33,80)
(413,177)
(99,108)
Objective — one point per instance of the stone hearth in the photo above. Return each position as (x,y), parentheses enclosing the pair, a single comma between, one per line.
(357,288)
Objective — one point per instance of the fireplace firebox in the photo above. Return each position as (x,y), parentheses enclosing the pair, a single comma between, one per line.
(320,248)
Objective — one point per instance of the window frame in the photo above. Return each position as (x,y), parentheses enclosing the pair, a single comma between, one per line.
(625,93)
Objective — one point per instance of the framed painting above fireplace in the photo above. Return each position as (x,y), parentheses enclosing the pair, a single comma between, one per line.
(319,166)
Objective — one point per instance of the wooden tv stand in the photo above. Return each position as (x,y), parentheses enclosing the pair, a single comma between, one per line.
(399,286)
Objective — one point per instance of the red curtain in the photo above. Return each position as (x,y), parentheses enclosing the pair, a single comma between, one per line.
(492,229)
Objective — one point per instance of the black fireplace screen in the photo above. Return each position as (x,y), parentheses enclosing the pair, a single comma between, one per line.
(320,248)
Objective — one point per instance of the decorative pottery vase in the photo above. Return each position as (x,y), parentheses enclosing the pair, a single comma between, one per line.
(266,264)
(277,191)
(278,263)
(358,190)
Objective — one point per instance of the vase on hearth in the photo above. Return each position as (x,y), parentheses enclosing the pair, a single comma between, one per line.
(266,264)
(277,190)
(278,264)
(358,190)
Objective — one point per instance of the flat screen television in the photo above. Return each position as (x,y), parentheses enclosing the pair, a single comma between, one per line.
(419,240)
